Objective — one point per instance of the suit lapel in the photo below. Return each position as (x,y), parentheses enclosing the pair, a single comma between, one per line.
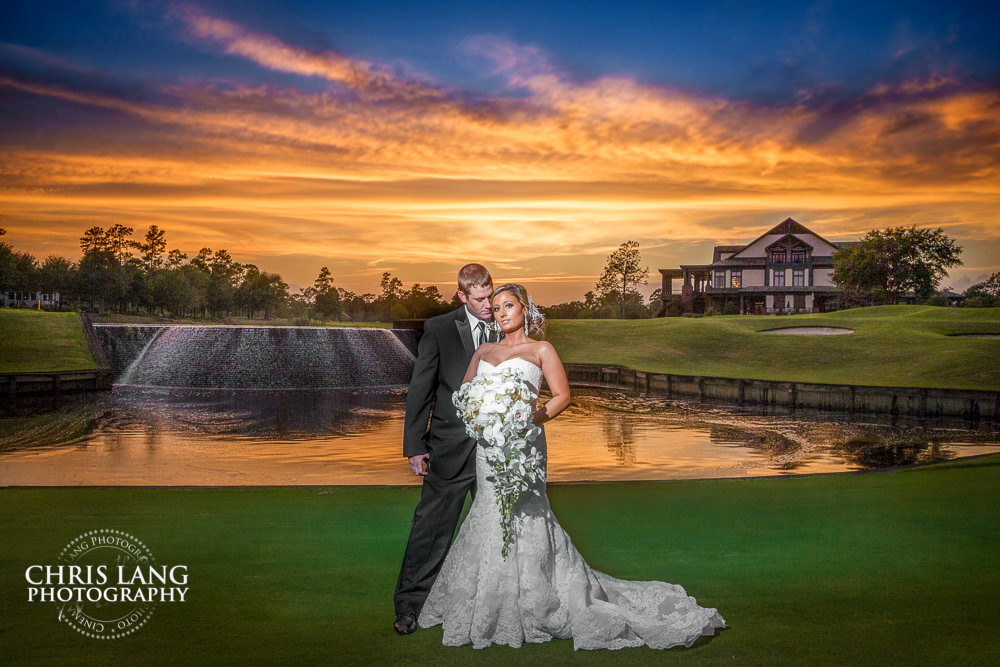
(465,334)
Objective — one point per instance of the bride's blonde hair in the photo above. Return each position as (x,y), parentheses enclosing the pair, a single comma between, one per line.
(534,321)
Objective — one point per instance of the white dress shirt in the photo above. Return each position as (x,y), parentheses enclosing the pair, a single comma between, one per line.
(473,322)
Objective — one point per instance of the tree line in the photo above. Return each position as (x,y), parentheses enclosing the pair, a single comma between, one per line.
(118,274)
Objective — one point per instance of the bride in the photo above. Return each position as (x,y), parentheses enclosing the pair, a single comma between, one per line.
(544,588)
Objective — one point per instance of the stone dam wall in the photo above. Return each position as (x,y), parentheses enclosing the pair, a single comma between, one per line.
(913,401)
(257,357)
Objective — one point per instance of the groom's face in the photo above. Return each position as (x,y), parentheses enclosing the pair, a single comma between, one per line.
(477,300)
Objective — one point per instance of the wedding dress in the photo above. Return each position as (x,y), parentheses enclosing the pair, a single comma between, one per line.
(545,589)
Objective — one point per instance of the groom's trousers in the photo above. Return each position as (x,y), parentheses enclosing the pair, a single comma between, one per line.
(434,522)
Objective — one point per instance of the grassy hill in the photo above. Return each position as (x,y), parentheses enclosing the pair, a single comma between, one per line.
(892,346)
(32,340)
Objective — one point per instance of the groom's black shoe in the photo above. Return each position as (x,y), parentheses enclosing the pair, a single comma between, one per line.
(405,624)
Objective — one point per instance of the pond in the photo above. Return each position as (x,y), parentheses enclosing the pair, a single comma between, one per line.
(163,436)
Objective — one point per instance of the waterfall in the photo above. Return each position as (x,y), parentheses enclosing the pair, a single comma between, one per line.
(232,357)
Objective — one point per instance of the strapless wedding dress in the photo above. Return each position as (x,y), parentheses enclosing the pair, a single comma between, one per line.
(545,589)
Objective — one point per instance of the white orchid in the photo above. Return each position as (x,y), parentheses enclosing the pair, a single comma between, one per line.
(497,412)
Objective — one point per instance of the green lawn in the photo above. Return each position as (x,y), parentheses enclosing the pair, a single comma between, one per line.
(894,567)
(33,340)
(892,346)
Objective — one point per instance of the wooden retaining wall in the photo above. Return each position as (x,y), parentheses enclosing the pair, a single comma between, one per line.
(915,401)
(96,379)
(58,381)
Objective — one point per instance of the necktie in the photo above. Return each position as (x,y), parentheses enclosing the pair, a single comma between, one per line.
(480,333)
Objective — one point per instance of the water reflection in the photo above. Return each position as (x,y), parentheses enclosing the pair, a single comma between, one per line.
(160,436)
(619,439)
(264,414)
(872,450)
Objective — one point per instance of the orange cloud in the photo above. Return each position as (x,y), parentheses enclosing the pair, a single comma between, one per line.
(383,170)
(265,50)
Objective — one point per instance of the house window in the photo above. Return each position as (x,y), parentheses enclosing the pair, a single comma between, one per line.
(736,279)
(779,278)
(778,256)
(798,255)
(798,277)
(720,279)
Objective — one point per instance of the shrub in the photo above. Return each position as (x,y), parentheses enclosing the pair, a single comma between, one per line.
(673,309)
(978,301)
(399,312)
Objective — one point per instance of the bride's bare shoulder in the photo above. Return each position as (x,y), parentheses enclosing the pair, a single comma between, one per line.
(544,350)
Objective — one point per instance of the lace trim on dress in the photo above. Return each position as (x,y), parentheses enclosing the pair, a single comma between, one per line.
(545,589)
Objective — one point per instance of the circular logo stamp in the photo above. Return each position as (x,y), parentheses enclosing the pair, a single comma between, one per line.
(96,616)
(106,583)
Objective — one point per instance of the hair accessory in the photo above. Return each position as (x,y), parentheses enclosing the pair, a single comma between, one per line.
(533,315)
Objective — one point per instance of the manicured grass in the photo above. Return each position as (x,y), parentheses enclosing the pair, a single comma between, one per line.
(894,567)
(892,346)
(33,340)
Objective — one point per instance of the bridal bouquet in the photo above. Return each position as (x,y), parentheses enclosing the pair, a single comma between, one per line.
(496,409)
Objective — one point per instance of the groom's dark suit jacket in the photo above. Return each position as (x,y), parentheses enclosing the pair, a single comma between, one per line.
(443,355)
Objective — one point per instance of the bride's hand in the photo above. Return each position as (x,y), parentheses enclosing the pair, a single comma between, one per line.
(540,416)
(417,464)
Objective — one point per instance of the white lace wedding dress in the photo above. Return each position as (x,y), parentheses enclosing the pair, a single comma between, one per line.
(545,589)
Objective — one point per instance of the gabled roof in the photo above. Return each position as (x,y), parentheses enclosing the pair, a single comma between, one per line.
(719,249)
(794,238)
(789,226)
(785,227)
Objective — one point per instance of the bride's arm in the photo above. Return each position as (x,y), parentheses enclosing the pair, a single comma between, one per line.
(473,368)
(555,376)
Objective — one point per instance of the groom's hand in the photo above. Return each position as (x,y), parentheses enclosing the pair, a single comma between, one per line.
(417,464)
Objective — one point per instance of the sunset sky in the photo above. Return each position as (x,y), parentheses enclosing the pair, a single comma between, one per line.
(534,137)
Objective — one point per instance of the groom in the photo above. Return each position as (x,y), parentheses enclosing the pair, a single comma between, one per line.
(440,452)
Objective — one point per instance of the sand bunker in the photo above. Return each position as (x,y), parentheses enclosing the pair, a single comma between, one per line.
(811,331)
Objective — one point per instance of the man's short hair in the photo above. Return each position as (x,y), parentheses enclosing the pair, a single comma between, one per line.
(474,275)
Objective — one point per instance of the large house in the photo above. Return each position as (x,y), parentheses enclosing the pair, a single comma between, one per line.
(13,299)
(788,269)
